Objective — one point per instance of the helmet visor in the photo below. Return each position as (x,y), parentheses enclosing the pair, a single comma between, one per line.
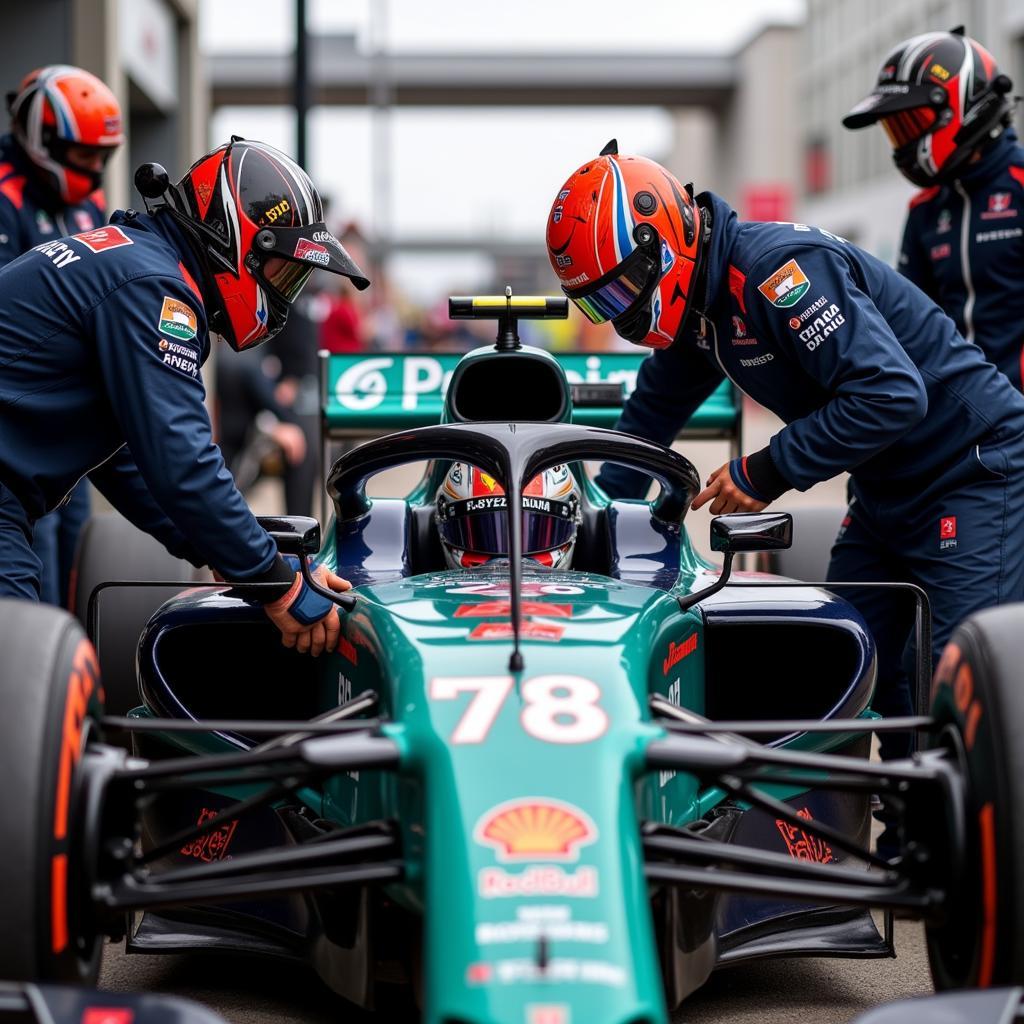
(909,125)
(617,291)
(286,277)
(463,525)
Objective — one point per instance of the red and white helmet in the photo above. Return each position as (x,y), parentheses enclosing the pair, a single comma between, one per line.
(939,97)
(625,239)
(258,224)
(472,517)
(60,106)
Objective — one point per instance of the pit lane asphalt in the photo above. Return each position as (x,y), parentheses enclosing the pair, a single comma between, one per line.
(248,991)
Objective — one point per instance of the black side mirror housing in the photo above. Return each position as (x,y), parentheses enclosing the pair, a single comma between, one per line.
(293,535)
(751,531)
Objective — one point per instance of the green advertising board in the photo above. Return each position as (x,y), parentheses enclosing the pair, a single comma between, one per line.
(379,392)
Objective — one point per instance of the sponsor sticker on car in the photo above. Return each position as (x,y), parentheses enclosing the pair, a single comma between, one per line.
(536,828)
(545,880)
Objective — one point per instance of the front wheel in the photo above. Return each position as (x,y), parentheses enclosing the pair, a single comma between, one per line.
(978,707)
(50,694)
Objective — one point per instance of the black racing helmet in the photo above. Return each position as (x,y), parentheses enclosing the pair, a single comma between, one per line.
(939,97)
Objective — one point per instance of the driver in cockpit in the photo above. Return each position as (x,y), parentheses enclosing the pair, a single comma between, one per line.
(471,517)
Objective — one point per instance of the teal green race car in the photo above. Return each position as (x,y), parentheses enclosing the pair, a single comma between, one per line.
(516,795)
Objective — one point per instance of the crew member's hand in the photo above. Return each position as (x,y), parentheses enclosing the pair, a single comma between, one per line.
(307,621)
(291,440)
(727,496)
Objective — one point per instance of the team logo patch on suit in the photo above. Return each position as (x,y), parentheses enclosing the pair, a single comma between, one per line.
(786,286)
(179,357)
(947,532)
(101,239)
(83,218)
(945,222)
(999,205)
(177,320)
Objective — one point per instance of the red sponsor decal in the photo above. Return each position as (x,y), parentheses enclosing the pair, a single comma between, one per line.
(676,652)
(546,880)
(307,249)
(529,631)
(535,829)
(940,252)
(794,322)
(348,650)
(502,609)
(108,1015)
(214,845)
(478,974)
(802,846)
(554,1014)
(999,201)
(109,237)
(947,527)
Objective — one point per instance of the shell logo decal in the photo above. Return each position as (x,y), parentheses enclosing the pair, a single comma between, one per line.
(535,828)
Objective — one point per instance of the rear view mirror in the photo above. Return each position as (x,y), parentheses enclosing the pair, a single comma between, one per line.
(751,531)
(293,535)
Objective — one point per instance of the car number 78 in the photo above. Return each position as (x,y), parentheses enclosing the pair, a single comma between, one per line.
(556,708)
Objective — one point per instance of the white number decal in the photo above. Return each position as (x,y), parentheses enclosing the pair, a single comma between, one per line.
(483,708)
(559,709)
(552,699)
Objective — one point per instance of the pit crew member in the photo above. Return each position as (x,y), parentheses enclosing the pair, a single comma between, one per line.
(127,312)
(870,376)
(472,519)
(945,107)
(65,126)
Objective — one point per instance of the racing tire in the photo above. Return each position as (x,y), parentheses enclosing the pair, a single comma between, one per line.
(814,533)
(110,548)
(978,707)
(50,689)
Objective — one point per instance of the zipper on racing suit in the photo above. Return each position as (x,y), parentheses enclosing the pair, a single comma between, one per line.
(965,261)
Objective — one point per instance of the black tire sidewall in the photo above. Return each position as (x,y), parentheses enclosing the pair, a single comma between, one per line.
(49,685)
(978,693)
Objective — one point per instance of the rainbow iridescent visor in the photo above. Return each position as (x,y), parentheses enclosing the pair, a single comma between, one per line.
(618,291)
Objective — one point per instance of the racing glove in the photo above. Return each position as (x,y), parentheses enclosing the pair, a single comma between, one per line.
(307,621)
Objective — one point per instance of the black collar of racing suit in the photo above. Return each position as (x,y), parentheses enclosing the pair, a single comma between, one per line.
(995,156)
(697,309)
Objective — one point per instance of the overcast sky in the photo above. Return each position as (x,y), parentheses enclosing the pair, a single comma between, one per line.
(446,179)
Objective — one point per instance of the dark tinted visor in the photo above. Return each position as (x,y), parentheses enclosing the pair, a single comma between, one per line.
(910,125)
(617,291)
(486,532)
(286,277)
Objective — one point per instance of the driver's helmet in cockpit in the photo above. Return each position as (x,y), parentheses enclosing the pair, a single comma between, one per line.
(472,517)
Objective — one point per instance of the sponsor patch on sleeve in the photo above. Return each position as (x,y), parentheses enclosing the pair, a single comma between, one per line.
(177,356)
(786,286)
(177,320)
(101,239)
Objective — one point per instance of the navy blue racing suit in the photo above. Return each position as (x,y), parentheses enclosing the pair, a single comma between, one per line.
(102,335)
(963,246)
(30,214)
(870,376)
